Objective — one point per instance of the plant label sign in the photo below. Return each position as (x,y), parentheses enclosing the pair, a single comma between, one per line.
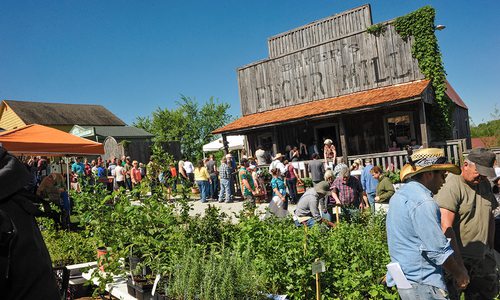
(155,284)
(318,267)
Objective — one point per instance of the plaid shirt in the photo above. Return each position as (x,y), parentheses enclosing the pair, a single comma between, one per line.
(224,171)
(349,191)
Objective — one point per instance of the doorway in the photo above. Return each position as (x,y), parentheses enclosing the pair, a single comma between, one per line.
(327,131)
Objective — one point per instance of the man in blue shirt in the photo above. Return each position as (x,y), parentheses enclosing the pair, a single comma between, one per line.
(415,239)
(78,167)
(369,183)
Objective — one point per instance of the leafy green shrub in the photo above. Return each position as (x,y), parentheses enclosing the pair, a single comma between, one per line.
(66,247)
(307,182)
(210,258)
(394,176)
(218,275)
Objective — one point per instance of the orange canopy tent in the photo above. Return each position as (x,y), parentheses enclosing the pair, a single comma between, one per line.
(37,139)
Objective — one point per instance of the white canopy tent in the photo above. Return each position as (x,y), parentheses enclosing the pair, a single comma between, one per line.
(235,142)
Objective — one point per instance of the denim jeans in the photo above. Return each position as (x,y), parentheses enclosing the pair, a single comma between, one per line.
(213,186)
(204,187)
(422,292)
(309,223)
(292,189)
(174,185)
(225,189)
(327,215)
(128,182)
(371,200)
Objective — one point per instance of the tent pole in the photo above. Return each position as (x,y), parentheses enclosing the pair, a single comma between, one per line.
(67,172)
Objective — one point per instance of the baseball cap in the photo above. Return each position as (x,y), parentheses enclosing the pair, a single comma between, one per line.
(484,161)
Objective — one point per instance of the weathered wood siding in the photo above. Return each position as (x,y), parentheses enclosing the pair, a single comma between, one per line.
(461,128)
(358,62)
(9,119)
(334,27)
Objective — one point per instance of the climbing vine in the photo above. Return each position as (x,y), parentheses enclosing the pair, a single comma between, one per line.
(376,29)
(420,25)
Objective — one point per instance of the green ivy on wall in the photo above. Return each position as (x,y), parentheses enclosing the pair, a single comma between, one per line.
(376,29)
(420,25)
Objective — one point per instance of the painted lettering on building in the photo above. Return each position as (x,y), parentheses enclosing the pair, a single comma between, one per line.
(335,68)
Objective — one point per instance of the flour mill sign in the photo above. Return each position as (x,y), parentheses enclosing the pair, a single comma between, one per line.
(324,59)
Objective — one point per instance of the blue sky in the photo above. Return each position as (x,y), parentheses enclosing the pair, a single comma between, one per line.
(135,56)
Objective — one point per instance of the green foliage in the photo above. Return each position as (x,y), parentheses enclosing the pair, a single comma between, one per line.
(376,29)
(394,176)
(214,228)
(65,247)
(420,25)
(189,123)
(307,182)
(218,275)
(209,257)
(489,131)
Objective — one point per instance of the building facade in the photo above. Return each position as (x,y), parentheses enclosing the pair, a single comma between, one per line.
(333,79)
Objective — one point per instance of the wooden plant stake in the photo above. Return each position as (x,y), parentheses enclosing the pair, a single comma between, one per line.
(318,266)
(337,213)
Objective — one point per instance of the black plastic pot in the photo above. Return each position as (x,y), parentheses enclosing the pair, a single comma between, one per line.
(140,288)
(130,288)
(160,296)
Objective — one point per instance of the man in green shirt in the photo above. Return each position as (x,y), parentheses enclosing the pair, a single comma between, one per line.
(466,202)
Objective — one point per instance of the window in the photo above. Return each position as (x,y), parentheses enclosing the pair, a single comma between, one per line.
(400,129)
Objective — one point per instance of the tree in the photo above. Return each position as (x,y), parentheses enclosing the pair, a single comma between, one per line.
(189,123)
(489,131)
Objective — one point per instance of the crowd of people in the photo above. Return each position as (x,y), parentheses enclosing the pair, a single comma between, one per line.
(441,224)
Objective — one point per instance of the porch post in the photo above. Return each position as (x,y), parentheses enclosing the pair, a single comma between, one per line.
(275,140)
(423,125)
(225,144)
(343,144)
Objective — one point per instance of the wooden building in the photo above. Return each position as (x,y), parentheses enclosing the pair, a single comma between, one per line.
(333,79)
(15,114)
(118,140)
(94,122)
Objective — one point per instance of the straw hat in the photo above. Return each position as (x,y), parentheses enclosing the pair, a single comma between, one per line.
(426,160)
(278,156)
(328,142)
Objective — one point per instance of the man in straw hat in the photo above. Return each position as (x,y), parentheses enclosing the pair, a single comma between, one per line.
(277,163)
(414,234)
(467,202)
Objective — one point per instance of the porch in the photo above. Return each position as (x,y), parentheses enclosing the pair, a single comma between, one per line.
(395,160)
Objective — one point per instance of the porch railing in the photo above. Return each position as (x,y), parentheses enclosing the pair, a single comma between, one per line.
(394,159)
(454,150)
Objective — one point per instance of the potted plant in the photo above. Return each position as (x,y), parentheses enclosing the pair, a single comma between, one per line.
(307,181)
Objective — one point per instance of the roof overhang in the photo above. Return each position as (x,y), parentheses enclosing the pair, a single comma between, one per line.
(453,95)
(356,102)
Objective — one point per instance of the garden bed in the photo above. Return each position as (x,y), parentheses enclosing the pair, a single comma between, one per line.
(209,257)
